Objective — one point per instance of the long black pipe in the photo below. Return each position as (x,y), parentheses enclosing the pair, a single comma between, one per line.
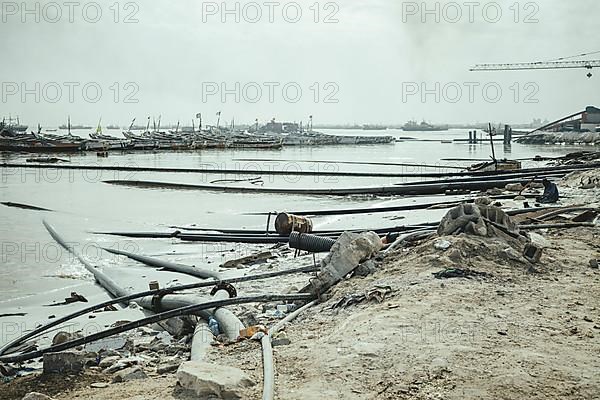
(414,190)
(230,323)
(191,309)
(154,262)
(290,172)
(162,292)
(23,206)
(222,171)
(251,232)
(352,163)
(252,237)
(366,210)
(550,174)
(104,280)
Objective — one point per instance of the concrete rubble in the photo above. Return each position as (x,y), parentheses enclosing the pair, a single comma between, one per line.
(345,255)
(206,379)
(66,361)
(129,374)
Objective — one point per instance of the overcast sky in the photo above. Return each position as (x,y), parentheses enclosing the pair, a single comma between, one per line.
(369,63)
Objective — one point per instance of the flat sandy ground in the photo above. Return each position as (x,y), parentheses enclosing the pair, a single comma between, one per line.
(512,335)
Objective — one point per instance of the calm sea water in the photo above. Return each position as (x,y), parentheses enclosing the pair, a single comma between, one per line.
(32,266)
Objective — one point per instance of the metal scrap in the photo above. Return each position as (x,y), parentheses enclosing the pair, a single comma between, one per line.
(377,293)
(459,273)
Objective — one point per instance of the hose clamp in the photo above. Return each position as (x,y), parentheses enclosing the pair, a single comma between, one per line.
(157,299)
(228,287)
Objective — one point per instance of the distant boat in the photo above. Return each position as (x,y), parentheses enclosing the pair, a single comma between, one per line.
(374,128)
(412,126)
(113,127)
(75,127)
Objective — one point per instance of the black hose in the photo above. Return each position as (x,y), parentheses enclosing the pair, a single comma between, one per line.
(104,280)
(133,296)
(312,243)
(236,172)
(24,206)
(318,232)
(489,178)
(416,189)
(296,172)
(153,319)
(253,236)
(367,210)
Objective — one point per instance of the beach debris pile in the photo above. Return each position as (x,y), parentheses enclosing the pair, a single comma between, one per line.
(377,293)
(572,138)
(578,157)
(583,179)
(480,220)
(458,273)
(473,241)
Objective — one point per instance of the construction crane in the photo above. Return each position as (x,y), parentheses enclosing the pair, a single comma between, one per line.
(589,64)
(558,63)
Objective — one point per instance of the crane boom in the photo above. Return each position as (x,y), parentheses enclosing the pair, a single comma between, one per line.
(537,65)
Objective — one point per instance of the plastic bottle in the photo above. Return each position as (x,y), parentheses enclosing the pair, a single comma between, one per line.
(213,325)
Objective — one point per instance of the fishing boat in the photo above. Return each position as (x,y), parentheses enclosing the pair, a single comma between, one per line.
(496,165)
(108,142)
(255,144)
(14,124)
(36,143)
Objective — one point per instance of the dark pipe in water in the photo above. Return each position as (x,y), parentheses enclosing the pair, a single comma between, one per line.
(153,262)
